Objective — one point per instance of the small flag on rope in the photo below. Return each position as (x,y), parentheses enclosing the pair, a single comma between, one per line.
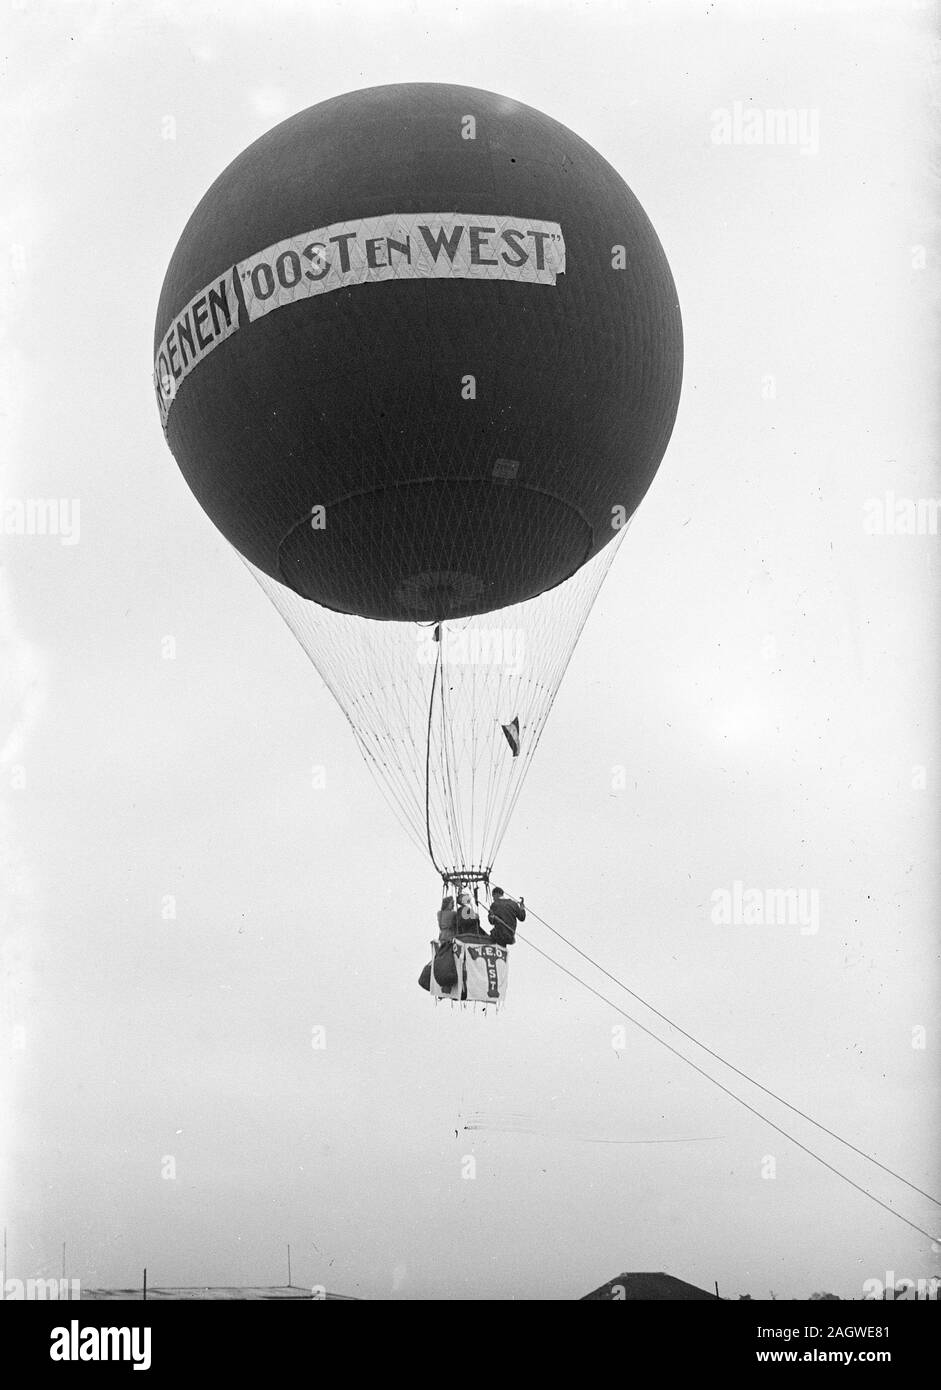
(512,732)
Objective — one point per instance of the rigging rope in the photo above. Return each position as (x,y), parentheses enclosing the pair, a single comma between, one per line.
(932,1236)
(731,1066)
(431,705)
(442,761)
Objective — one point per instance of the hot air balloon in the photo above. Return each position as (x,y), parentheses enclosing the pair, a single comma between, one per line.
(418,355)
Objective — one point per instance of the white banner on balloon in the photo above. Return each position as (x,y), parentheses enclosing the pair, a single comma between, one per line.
(207,320)
(416,246)
(421,246)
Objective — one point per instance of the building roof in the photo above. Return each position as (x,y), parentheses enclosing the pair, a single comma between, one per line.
(634,1287)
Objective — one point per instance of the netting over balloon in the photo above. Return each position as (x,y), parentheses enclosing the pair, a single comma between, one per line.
(417,350)
(449,716)
(465,352)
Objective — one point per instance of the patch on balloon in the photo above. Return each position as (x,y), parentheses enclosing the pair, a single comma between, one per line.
(416,246)
(434,592)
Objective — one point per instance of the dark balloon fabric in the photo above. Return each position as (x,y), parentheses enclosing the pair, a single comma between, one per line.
(435,505)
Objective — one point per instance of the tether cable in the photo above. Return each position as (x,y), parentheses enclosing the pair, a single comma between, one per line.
(738,1071)
(932,1236)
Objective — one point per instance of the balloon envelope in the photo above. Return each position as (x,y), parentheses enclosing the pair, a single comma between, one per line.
(416,349)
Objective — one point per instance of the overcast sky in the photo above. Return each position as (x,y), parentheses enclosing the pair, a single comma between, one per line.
(762,665)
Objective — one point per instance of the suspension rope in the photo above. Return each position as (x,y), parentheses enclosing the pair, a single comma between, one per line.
(431,706)
(731,1066)
(457,787)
